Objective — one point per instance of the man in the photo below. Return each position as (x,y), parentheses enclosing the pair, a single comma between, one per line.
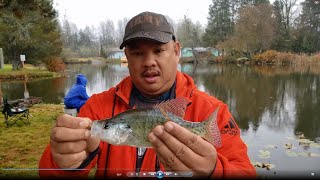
(153,55)
(77,95)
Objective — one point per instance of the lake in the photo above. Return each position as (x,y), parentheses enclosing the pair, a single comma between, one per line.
(277,109)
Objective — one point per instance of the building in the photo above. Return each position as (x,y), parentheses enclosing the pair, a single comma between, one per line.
(188,52)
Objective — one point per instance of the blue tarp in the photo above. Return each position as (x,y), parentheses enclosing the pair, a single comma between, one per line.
(77,95)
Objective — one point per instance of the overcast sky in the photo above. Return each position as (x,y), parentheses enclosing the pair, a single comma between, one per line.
(85,12)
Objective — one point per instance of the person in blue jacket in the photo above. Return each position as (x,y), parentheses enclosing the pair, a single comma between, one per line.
(77,95)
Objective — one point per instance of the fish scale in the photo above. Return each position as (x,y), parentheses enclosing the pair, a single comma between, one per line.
(132,127)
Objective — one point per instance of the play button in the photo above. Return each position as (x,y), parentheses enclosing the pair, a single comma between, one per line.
(160,174)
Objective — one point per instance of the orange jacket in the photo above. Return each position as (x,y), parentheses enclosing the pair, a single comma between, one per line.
(232,159)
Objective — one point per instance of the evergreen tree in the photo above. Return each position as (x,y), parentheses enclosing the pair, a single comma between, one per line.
(283,12)
(257,2)
(308,30)
(29,27)
(66,33)
(219,22)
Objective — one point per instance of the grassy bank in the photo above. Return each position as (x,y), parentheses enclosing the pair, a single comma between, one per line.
(21,145)
(28,71)
(270,57)
(90,60)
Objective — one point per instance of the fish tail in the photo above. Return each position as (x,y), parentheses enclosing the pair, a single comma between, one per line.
(212,130)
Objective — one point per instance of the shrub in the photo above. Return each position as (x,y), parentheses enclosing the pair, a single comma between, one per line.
(316,58)
(285,58)
(219,59)
(68,53)
(55,64)
(267,57)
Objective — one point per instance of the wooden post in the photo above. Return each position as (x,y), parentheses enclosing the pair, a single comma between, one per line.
(22,58)
(1,59)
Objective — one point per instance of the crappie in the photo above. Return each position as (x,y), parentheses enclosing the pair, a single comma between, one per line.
(133,126)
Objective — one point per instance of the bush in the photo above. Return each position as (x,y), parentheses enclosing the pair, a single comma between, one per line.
(88,52)
(219,59)
(55,64)
(68,53)
(285,58)
(267,57)
(316,58)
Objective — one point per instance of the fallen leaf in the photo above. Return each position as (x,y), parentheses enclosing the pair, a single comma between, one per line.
(314,155)
(264,154)
(290,138)
(288,145)
(305,141)
(257,164)
(291,154)
(268,166)
(315,145)
(304,154)
(271,146)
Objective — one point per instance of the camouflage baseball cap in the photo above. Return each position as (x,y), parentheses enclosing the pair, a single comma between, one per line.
(148,25)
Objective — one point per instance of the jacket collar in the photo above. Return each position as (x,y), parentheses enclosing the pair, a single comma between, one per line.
(184,87)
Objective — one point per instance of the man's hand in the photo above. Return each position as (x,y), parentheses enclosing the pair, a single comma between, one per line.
(180,150)
(70,141)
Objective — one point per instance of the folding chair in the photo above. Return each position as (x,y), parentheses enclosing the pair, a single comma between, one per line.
(14,114)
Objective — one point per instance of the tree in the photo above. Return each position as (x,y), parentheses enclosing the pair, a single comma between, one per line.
(189,33)
(258,2)
(29,27)
(244,3)
(107,35)
(86,37)
(283,11)
(219,22)
(120,30)
(308,31)
(253,30)
(66,33)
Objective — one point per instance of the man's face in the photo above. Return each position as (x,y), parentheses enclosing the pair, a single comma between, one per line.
(153,66)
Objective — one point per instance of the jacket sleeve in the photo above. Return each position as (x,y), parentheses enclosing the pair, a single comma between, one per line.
(232,157)
(47,166)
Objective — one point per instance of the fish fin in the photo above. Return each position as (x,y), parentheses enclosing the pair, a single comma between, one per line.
(212,130)
(165,114)
(176,106)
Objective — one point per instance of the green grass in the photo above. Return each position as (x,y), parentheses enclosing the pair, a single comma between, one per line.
(29,70)
(21,145)
(92,59)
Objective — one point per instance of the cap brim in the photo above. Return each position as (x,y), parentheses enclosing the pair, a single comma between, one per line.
(158,36)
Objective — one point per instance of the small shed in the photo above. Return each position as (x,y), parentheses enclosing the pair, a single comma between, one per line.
(188,52)
(116,53)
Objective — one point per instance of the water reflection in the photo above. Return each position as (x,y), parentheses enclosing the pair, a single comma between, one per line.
(100,76)
(279,101)
(274,97)
(268,103)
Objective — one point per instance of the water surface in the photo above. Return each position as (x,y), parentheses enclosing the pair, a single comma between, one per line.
(271,105)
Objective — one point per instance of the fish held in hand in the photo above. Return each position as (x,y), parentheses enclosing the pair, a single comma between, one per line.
(132,127)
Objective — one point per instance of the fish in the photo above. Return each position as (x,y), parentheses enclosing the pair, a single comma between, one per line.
(131,127)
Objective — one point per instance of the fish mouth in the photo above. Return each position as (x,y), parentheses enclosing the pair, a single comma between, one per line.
(151,76)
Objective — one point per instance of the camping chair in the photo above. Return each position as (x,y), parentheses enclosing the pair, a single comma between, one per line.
(14,114)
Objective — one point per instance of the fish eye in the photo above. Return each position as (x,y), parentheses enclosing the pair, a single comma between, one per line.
(106,126)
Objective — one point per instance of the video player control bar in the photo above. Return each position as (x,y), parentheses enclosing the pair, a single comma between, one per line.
(159,174)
